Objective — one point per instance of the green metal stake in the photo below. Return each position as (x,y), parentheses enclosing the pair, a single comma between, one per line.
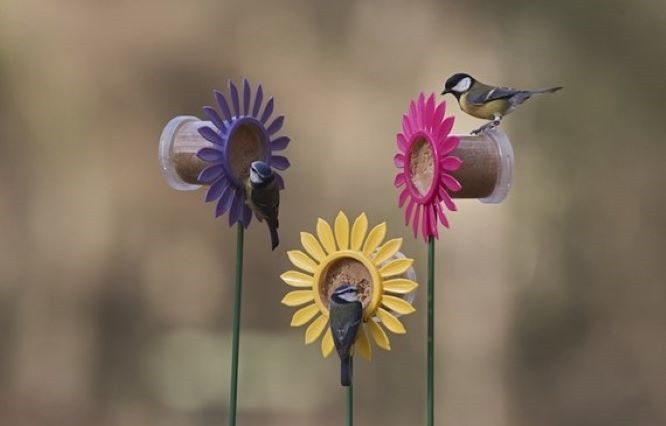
(431,333)
(236,326)
(350,404)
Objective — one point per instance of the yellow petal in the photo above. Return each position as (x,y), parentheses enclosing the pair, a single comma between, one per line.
(298,297)
(397,304)
(389,248)
(325,234)
(314,330)
(312,246)
(395,267)
(400,286)
(359,229)
(362,344)
(327,344)
(391,322)
(302,261)
(375,238)
(304,315)
(379,335)
(297,279)
(342,231)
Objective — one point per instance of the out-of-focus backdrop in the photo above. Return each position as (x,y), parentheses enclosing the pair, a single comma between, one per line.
(115,289)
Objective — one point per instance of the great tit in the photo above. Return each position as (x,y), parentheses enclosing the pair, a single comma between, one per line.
(345,315)
(487,102)
(263,197)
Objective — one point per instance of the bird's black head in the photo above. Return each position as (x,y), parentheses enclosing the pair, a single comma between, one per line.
(344,294)
(260,173)
(458,84)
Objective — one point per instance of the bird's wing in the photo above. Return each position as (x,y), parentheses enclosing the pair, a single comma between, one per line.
(344,332)
(267,200)
(487,94)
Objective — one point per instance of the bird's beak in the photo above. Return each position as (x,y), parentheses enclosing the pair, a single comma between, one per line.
(446,91)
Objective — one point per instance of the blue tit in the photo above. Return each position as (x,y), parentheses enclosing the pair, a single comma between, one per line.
(487,102)
(345,315)
(263,197)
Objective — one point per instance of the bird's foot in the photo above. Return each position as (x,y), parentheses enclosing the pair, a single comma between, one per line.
(486,127)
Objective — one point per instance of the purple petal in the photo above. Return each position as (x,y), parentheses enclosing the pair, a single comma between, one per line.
(210,174)
(214,117)
(280,143)
(275,125)
(450,182)
(225,201)
(280,181)
(425,225)
(210,135)
(413,116)
(432,218)
(236,211)
(246,97)
(280,162)
(420,107)
(234,97)
(215,190)
(224,106)
(257,101)
(210,154)
(438,115)
(451,163)
(267,112)
(247,216)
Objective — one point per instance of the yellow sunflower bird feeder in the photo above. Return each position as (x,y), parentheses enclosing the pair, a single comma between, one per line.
(382,276)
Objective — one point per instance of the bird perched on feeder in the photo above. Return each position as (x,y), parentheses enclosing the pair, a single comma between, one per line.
(487,102)
(263,196)
(345,315)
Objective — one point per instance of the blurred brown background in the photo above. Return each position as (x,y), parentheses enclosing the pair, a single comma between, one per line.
(115,300)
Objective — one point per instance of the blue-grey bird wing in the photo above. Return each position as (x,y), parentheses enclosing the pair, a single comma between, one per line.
(488,94)
(267,201)
(344,325)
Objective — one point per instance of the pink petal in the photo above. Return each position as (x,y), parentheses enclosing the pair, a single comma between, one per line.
(450,144)
(429,110)
(420,108)
(399,180)
(451,163)
(446,198)
(445,128)
(415,223)
(425,226)
(432,215)
(399,160)
(438,115)
(407,127)
(442,216)
(450,182)
(408,211)
(402,142)
(413,116)
(403,197)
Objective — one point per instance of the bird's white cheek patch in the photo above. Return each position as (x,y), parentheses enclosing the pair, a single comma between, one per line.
(462,85)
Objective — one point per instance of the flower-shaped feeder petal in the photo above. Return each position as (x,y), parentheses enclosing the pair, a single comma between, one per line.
(436,166)
(383,277)
(219,152)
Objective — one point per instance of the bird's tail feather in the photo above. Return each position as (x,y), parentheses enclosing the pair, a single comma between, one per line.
(275,238)
(346,370)
(548,90)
